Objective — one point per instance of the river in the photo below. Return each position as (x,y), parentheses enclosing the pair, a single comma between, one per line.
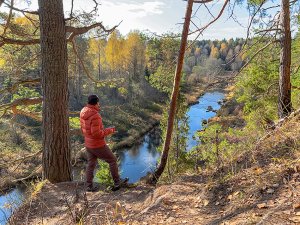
(137,161)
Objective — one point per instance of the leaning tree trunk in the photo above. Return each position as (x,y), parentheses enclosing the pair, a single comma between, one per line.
(284,98)
(54,73)
(164,158)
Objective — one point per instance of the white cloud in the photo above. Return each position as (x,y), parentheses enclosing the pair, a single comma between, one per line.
(130,10)
(112,13)
(159,16)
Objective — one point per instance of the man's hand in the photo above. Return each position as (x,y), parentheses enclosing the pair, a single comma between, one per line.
(112,130)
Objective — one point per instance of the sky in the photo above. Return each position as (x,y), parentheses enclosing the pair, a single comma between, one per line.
(161,16)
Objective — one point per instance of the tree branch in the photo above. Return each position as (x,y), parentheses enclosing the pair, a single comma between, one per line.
(35,116)
(201,1)
(255,54)
(73,30)
(15,86)
(209,11)
(22,102)
(7,164)
(82,30)
(211,22)
(8,19)
(19,10)
(207,25)
(5,40)
(243,48)
(72,6)
(268,30)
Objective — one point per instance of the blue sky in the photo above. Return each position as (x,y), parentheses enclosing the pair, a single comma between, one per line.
(162,16)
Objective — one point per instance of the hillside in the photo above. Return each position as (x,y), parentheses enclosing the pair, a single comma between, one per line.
(265,189)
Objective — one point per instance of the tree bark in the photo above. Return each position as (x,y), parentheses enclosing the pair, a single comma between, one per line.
(284,98)
(54,73)
(173,103)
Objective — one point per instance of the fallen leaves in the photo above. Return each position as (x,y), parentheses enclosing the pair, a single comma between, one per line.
(295,219)
(296,205)
(205,202)
(258,171)
(270,203)
(262,205)
(270,191)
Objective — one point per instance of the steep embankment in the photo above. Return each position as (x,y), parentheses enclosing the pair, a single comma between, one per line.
(265,189)
(20,155)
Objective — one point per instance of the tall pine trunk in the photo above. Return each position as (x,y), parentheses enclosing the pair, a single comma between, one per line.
(54,73)
(284,98)
(173,103)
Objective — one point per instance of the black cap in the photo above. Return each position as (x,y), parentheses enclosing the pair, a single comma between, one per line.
(93,99)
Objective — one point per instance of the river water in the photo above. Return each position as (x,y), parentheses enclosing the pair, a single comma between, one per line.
(142,158)
(9,202)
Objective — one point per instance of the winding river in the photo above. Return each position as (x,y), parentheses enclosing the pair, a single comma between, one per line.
(137,161)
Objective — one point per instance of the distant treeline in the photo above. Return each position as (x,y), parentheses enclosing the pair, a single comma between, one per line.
(207,58)
(129,69)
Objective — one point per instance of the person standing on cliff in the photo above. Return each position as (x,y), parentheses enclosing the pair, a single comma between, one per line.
(96,147)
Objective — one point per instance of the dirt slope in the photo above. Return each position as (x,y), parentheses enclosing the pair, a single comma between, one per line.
(264,190)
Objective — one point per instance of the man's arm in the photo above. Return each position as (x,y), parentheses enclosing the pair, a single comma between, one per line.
(98,130)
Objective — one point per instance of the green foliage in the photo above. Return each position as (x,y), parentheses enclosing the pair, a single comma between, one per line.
(295,77)
(25,92)
(206,139)
(177,159)
(257,89)
(162,79)
(122,91)
(255,2)
(74,122)
(257,86)
(103,175)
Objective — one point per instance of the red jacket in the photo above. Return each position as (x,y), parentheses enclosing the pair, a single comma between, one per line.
(92,127)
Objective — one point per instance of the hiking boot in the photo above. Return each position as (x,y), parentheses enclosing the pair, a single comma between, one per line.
(120,183)
(91,188)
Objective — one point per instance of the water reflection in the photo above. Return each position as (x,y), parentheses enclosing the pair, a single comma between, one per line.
(9,202)
(197,113)
(135,162)
(140,159)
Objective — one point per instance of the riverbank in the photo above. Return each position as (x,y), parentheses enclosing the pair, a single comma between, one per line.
(30,168)
(192,94)
(221,82)
(262,191)
(136,162)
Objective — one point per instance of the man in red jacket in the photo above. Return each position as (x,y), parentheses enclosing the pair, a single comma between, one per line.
(94,138)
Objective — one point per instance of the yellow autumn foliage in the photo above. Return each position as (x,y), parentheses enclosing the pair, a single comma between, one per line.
(114,51)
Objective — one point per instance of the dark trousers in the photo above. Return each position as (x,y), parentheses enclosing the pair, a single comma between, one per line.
(104,153)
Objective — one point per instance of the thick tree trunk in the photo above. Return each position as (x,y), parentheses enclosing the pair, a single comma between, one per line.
(284,98)
(173,102)
(54,73)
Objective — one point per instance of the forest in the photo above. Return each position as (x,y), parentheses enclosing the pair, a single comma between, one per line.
(207,129)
